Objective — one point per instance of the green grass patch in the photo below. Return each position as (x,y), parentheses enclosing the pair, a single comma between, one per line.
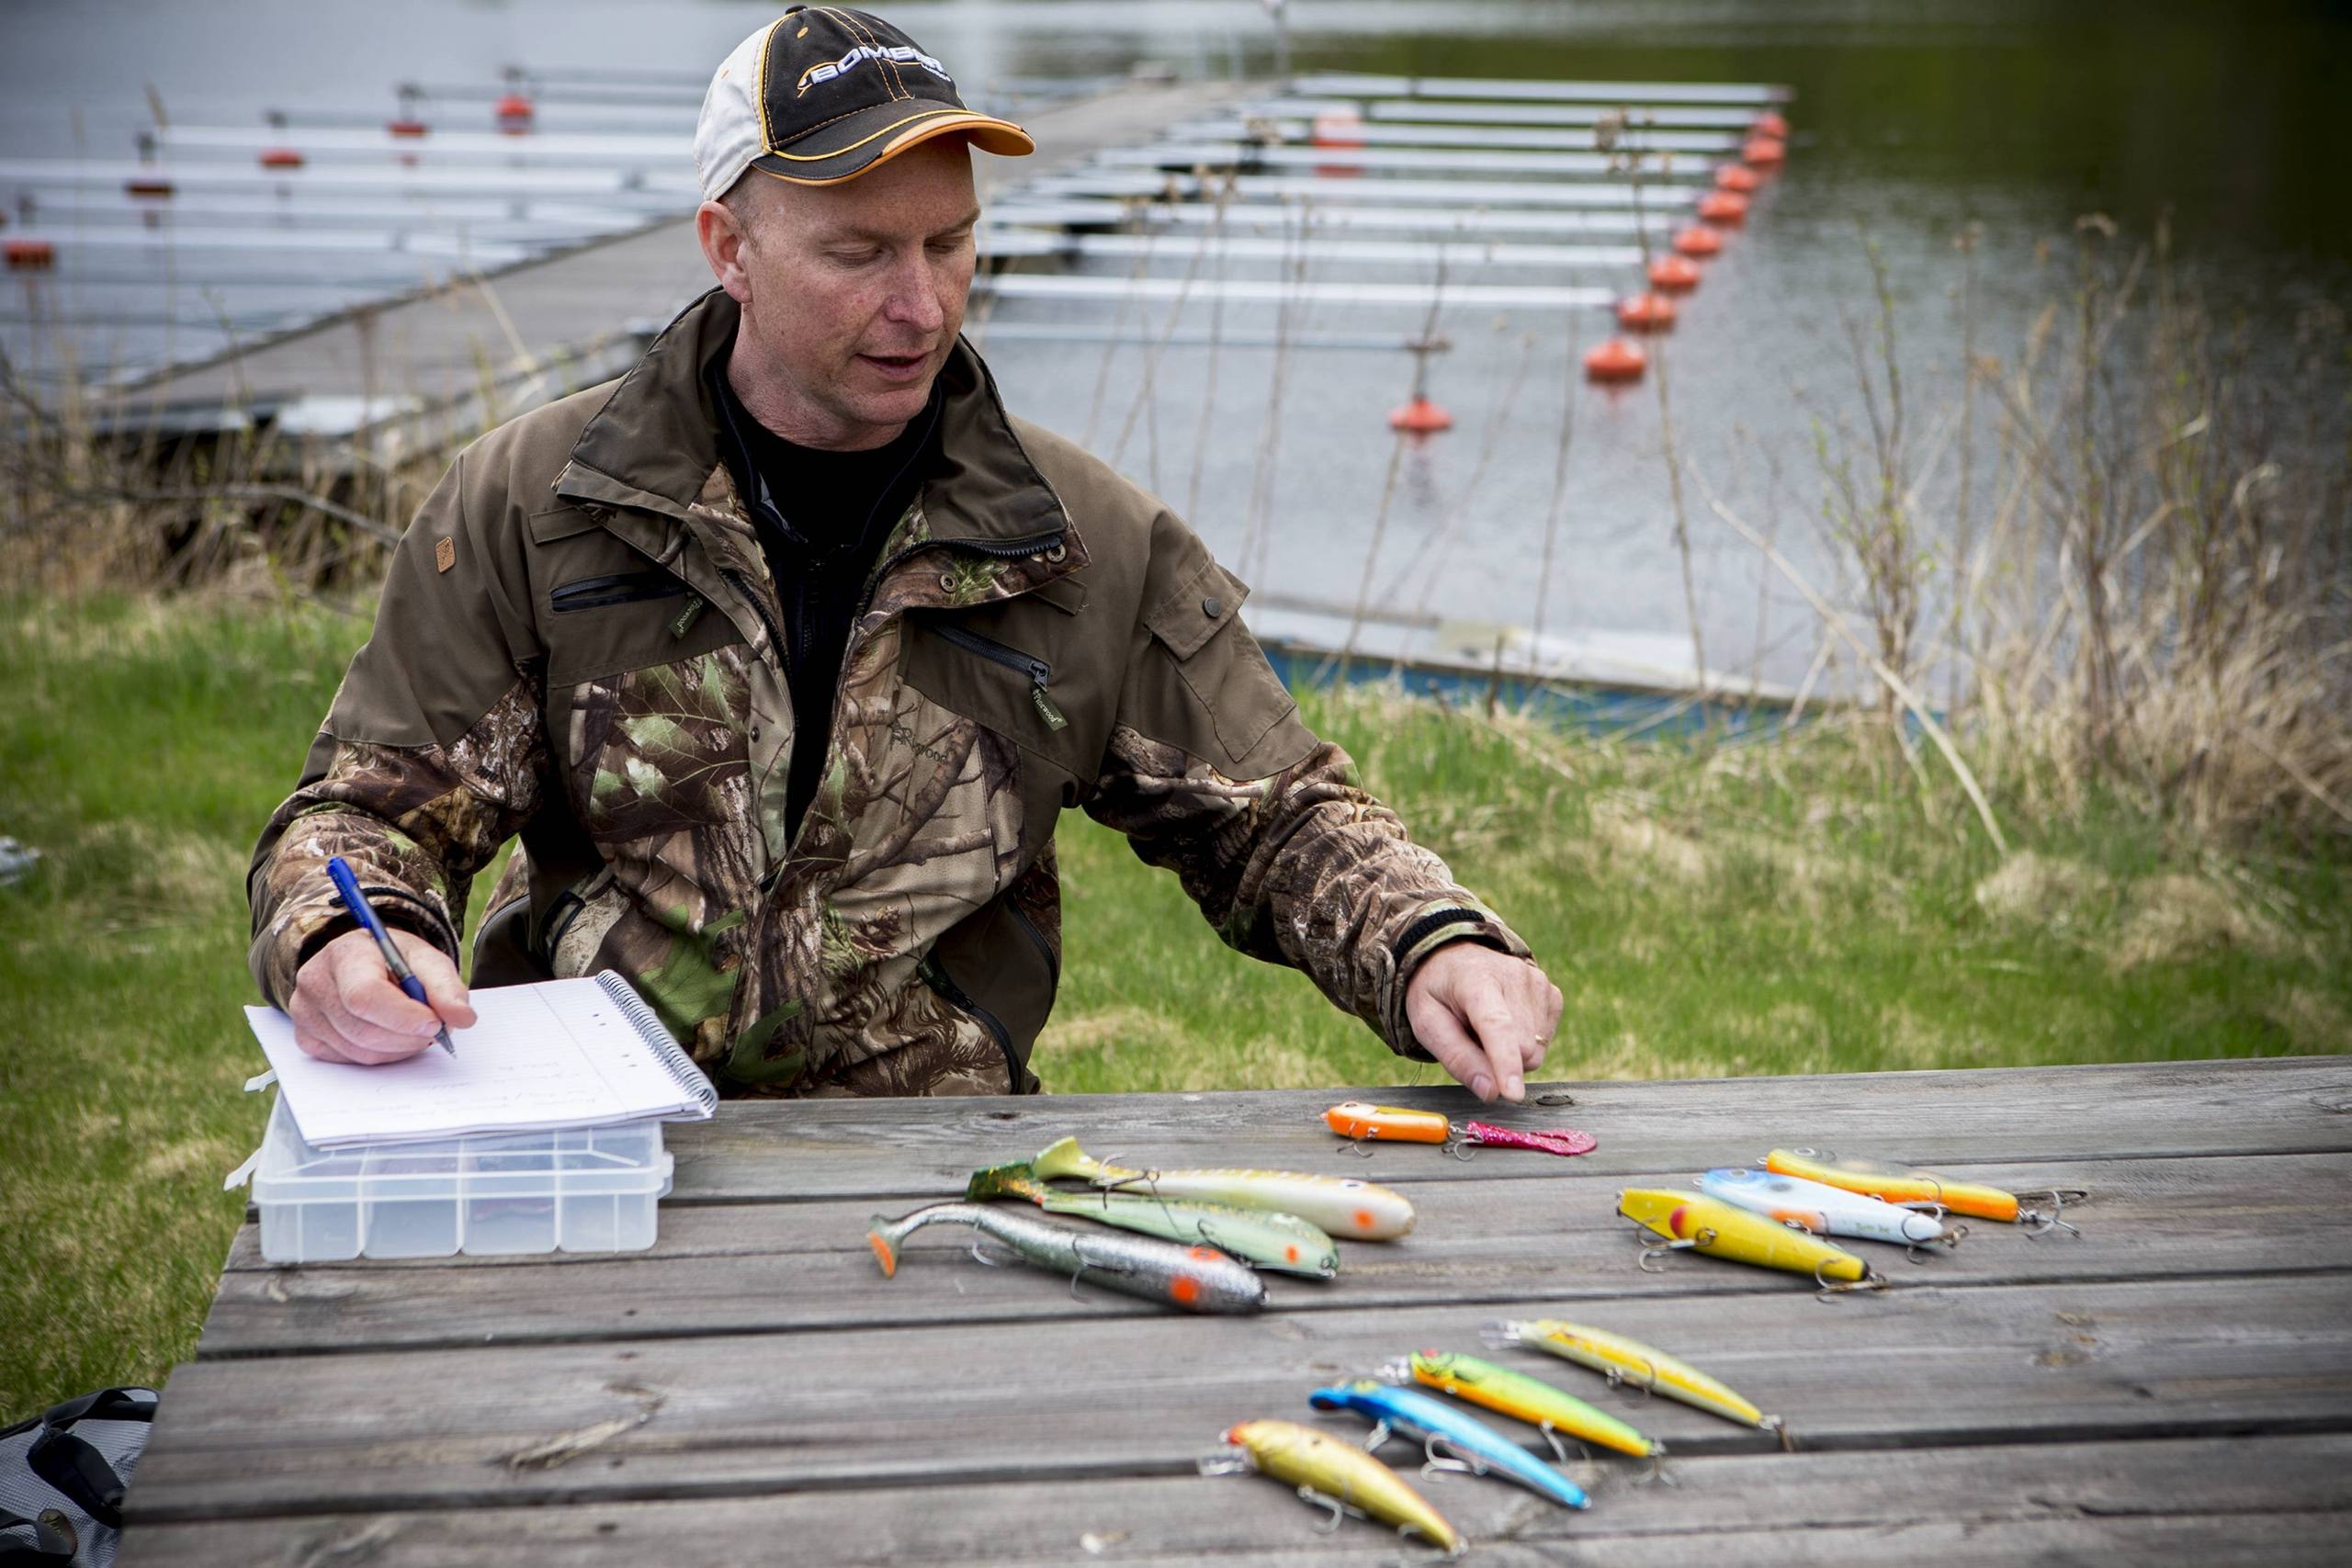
(1796,905)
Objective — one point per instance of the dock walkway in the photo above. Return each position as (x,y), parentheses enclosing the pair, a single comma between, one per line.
(2177,1381)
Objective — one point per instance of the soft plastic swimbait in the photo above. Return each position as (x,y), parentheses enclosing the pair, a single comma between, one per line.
(1898,1184)
(1548,1141)
(1627,1361)
(1332,1473)
(1825,1210)
(1339,1206)
(1703,1224)
(1528,1399)
(1282,1242)
(1476,1445)
(1198,1279)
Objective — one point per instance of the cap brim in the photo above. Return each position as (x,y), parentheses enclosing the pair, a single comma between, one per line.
(856,142)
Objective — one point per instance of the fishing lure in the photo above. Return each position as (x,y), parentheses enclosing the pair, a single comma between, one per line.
(1900,1185)
(1365,1124)
(1688,1220)
(1629,1361)
(1332,1474)
(1282,1242)
(1827,1211)
(1478,1447)
(1339,1206)
(1529,1399)
(1198,1279)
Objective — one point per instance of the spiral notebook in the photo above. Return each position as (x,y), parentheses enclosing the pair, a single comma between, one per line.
(560,1053)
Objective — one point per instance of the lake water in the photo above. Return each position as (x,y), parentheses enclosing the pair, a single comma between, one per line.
(1913,119)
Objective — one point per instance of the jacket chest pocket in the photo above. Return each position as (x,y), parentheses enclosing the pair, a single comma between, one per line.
(663,750)
(1019,674)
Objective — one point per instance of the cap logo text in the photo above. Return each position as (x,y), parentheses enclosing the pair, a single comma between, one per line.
(904,54)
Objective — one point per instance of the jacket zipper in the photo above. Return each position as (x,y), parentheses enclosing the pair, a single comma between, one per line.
(622,588)
(935,974)
(1053,960)
(1039,673)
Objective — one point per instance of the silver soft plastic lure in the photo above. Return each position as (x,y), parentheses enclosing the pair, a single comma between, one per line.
(1198,1278)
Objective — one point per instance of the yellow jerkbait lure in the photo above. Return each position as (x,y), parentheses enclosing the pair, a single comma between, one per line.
(1622,1359)
(1334,1473)
(1702,1223)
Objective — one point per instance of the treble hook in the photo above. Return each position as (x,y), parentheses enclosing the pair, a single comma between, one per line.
(1552,1436)
(1338,1510)
(1377,1436)
(1618,1380)
(1950,1241)
(1461,1147)
(1773,1424)
(1434,1465)
(1656,1249)
(1358,1146)
(1831,1290)
(1656,1470)
(2053,1220)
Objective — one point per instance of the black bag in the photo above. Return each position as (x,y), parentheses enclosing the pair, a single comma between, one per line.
(62,1474)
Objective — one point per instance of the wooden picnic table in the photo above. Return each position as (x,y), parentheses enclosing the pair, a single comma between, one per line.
(2175,1382)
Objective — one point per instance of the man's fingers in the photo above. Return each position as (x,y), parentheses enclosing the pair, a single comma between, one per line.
(1504,1034)
(444,988)
(1441,1035)
(369,993)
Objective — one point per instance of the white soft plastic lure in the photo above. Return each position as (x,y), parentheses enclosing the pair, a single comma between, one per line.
(1825,1210)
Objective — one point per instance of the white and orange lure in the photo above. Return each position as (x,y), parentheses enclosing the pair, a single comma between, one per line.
(1825,1210)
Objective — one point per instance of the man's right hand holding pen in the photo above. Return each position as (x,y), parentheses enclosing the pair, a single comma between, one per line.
(347,1008)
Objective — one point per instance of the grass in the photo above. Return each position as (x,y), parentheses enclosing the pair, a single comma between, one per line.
(1798,906)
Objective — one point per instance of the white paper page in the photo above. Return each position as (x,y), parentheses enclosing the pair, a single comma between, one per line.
(553,1054)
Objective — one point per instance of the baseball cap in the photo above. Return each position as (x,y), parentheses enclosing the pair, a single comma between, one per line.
(821,95)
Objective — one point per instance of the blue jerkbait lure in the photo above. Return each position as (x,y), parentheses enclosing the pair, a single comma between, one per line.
(1432,1421)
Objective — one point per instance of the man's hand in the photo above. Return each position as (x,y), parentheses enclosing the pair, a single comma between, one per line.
(347,1008)
(1485,1016)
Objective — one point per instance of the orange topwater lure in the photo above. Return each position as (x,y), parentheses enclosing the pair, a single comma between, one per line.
(1897,1184)
(1388,1123)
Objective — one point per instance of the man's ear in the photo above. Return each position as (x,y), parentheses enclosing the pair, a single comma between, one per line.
(721,233)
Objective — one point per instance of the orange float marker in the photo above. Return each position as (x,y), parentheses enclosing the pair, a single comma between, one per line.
(514,114)
(1763,151)
(1421,417)
(1698,240)
(280,158)
(1724,208)
(1646,313)
(1771,123)
(1674,274)
(1737,178)
(1615,362)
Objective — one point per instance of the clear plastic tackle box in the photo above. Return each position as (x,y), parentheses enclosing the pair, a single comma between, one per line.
(582,1190)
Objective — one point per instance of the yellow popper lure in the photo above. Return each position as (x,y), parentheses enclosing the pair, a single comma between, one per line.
(1689,1220)
(1898,1184)
(1626,1360)
(1528,1399)
(1331,1473)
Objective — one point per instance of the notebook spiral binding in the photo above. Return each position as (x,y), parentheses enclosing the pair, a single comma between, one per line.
(647,1024)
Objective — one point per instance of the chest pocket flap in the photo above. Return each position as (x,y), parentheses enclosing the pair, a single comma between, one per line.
(1205,686)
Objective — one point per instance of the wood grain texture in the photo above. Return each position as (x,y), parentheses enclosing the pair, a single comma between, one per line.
(2177,1381)
(778,1268)
(2079,1497)
(1129,1395)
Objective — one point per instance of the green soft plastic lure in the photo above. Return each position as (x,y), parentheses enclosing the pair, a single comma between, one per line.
(1284,1243)
(1529,1399)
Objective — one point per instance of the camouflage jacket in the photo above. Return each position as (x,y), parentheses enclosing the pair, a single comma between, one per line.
(577,643)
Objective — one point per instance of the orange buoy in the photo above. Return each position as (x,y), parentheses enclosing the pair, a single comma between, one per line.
(514,114)
(1737,177)
(1673,275)
(406,126)
(1615,362)
(1338,127)
(280,158)
(1769,123)
(1698,240)
(1646,312)
(1763,151)
(1421,417)
(29,256)
(1728,208)
(146,186)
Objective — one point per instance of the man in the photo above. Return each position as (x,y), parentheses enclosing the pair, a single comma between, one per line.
(783,654)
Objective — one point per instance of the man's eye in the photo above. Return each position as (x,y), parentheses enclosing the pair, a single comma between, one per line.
(856,259)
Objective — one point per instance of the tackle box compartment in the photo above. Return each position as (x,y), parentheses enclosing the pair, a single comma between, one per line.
(578,1189)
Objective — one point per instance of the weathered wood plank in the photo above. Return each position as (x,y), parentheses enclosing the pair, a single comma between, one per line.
(784,1267)
(736,1415)
(2056,1115)
(2032,1500)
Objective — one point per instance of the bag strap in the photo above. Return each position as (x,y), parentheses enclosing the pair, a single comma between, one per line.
(47,1548)
(75,1466)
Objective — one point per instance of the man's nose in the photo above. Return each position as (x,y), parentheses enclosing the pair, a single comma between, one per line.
(914,297)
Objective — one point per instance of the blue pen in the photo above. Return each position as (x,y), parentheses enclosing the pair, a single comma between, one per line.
(347,885)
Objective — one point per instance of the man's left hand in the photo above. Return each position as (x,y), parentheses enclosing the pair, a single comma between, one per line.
(1485,1016)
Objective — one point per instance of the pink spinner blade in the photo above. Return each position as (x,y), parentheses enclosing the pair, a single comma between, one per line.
(1553,1141)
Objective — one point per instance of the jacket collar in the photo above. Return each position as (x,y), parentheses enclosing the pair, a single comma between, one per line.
(654,444)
